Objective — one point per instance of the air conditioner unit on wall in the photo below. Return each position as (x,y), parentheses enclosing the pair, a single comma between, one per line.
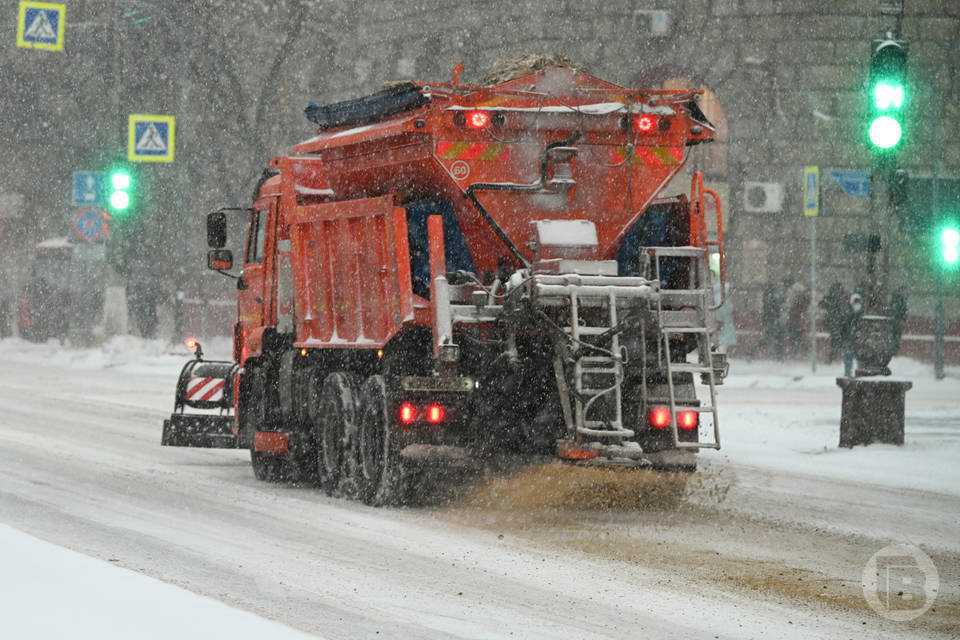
(762,197)
(655,22)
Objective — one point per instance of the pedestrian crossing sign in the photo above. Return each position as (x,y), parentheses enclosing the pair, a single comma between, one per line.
(41,25)
(150,138)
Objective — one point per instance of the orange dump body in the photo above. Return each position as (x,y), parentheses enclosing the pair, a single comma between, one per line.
(557,144)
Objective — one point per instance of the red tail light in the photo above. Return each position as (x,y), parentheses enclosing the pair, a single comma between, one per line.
(645,122)
(407,413)
(659,417)
(435,413)
(688,419)
(478,119)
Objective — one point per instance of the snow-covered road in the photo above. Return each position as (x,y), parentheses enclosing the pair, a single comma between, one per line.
(769,541)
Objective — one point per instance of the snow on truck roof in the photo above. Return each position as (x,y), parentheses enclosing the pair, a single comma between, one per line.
(551,90)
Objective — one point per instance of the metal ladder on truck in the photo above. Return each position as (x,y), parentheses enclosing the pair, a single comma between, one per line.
(597,372)
(596,413)
(687,316)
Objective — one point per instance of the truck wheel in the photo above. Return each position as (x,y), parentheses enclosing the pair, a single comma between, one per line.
(333,414)
(381,478)
(268,467)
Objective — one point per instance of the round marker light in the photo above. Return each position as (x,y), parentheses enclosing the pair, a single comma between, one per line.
(407,413)
(478,119)
(645,123)
(191,343)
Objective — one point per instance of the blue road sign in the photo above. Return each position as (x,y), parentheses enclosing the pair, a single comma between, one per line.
(41,25)
(91,224)
(853,183)
(88,187)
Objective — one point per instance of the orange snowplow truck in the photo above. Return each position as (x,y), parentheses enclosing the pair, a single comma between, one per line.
(446,275)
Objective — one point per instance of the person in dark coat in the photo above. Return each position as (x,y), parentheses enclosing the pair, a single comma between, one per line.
(898,315)
(773,331)
(851,326)
(833,305)
(794,316)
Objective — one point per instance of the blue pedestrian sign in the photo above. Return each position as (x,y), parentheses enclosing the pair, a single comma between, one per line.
(41,25)
(88,187)
(91,224)
(811,191)
(150,138)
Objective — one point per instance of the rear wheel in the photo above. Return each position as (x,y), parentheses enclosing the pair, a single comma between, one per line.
(269,467)
(381,471)
(333,416)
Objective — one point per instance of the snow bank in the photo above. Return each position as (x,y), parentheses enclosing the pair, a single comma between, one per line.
(783,416)
(129,354)
(48,592)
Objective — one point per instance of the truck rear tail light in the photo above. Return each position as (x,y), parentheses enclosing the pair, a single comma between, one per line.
(477,119)
(645,122)
(407,413)
(688,419)
(435,413)
(659,417)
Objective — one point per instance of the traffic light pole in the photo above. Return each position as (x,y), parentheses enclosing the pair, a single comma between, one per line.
(934,208)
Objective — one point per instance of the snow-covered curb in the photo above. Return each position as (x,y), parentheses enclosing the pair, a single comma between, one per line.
(48,592)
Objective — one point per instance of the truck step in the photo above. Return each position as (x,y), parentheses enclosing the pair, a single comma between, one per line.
(684,329)
(681,367)
(588,331)
(678,252)
(680,319)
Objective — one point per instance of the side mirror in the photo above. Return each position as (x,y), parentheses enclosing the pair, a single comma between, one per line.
(216,230)
(220,259)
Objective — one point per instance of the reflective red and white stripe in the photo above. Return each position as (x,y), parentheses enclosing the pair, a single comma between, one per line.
(205,389)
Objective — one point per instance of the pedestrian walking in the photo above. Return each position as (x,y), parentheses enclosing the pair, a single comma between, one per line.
(833,305)
(771,339)
(898,315)
(794,315)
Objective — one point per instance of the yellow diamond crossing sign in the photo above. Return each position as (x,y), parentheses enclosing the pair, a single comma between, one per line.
(150,138)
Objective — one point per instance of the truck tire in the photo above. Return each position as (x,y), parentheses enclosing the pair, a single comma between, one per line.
(268,467)
(381,475)
(333,412)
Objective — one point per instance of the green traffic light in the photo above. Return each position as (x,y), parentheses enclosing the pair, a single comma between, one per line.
(120,185)
(950,245)
(885,132)
(120,180)
(887,95)
(119,200)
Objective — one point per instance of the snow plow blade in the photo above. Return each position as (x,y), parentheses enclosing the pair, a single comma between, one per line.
(191,430)
(206,389)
